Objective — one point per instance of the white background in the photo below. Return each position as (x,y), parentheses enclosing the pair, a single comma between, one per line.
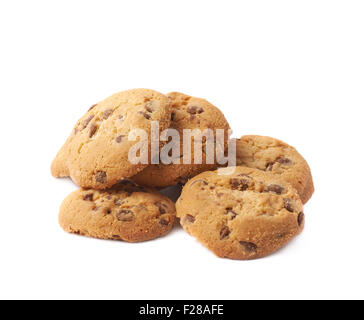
(293,70)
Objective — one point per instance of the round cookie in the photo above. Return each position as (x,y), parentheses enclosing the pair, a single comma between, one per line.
(187,113)
(96,153)
(243,215)
(125,212)
(275,156)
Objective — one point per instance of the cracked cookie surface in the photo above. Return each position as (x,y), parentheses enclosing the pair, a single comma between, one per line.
(243,215)
(96,153)
(125,212)
(275,156)
(187,113)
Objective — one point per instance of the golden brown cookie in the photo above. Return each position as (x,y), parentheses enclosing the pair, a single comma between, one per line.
(243,215)
(187,113)
(125,212)
(275,156)
(96,153)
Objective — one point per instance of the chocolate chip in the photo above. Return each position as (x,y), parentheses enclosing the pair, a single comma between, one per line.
(288,205)
(300,218)
(119,139)
(119,202)
(194,110)
(249,246)
(269,166)
(224,232)
(163,222)
(234,183)
(125,215)
(148,107)
(88,197)
(100,177)
(275,188)
(93,106)
(161,208)
(173,115)
(93,130)
(232,213)
(192,117)
(87,121)
(107,114)
(280,160)
(145,115)
(115,236)
(239,184)
(189,219)
(108,211)
(283,160)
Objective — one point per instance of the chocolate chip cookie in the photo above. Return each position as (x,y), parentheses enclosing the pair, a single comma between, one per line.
(243,215)
(96,153)
(187,113)
(125,212)
(272,155)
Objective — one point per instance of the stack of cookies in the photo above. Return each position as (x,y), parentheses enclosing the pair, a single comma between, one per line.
(242,212)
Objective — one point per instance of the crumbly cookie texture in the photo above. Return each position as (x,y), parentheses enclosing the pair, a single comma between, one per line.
(96,153)
(125,212)
(275,156)
(187,113)
(243,215)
